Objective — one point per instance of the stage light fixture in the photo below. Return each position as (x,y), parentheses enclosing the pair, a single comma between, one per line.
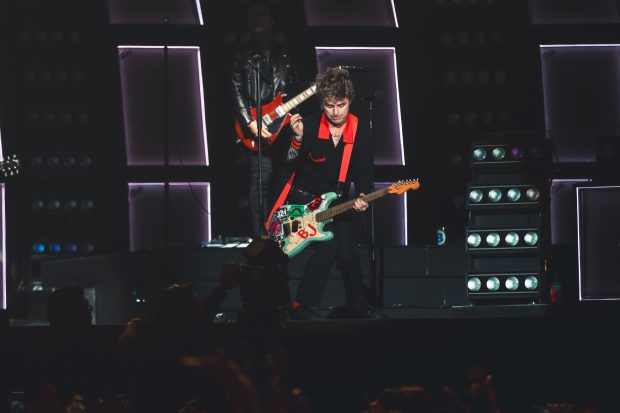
(54,248)
(509,218)
(493,284)
(474,240)
(502,239)
(476,195)
(493,239)
(499,153)
(503,196)
(501,285)
(495,195)
(511,239)
(530,238)
(474,284)
(38,248)
(532,194)
(531,282)
(508,153)
(480,154)
(512,283)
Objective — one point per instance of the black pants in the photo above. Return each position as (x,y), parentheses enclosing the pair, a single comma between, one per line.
(251,159)
(340,250)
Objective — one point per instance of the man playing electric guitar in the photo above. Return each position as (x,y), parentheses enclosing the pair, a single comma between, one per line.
(277,80)
(327,153)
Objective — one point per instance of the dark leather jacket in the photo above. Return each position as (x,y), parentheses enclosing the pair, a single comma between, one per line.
(278,78)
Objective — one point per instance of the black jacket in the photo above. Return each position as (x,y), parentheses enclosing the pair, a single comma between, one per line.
(318,164)
(278,73)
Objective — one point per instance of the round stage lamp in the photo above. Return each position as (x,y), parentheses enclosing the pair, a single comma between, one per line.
(495,195)
(474,284)
(493,284)
(530,238)
(532,194)
(512,239)
(473,240)
(475,196)
(512,283)
(531,282)
(493,239)
(38,248)
(536,152)
(498,153)
(55,248)
(480,154)
(71,248)
(513,194)
(517,153)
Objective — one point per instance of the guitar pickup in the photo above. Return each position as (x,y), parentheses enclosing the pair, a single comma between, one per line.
(295,226)
(286,229)
(280,111)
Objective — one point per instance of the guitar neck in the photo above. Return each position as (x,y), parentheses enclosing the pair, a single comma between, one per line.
(345,206)
(299,98)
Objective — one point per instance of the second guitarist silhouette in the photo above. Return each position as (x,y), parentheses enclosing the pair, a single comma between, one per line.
(266,47)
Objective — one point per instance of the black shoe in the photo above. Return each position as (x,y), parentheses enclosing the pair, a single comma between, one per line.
(373,312)
(304,312)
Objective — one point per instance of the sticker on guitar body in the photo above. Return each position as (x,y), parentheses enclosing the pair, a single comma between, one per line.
(293,226)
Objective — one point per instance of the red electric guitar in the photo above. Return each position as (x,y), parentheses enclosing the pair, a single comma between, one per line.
(275,117)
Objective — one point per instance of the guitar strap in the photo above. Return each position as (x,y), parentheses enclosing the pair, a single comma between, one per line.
(348,137)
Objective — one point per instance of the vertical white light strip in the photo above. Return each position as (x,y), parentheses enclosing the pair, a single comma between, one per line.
(3,286)
(579,270)
(199,11)
(394,13)
(405,217)
(400,122)
(202,109)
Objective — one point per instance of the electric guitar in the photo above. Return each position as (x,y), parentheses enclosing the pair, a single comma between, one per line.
(10,165)
(275,117)
(294,227)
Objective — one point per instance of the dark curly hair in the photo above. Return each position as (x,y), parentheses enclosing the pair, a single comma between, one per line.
(334,83)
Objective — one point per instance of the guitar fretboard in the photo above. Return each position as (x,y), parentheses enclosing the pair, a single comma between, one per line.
(345,206)
(299,98)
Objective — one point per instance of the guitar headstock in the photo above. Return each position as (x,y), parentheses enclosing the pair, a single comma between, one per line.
(403,186)
(10,165)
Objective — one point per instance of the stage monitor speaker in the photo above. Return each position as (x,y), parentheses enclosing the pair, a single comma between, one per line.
(598,237)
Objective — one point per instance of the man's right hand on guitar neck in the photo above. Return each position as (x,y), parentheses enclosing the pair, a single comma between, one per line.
(297,125)
(253,127)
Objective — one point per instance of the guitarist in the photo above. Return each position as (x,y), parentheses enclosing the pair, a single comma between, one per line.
(264,45)
(328,152)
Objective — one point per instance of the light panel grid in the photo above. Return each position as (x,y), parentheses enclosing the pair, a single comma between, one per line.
(377,77)
(143,94)
(188,218)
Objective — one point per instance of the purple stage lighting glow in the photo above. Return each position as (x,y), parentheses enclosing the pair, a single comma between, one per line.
(3,292)
(189,214)
(142,69)
(517,153)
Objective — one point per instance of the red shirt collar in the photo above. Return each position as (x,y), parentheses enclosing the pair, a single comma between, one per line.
(348,134)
